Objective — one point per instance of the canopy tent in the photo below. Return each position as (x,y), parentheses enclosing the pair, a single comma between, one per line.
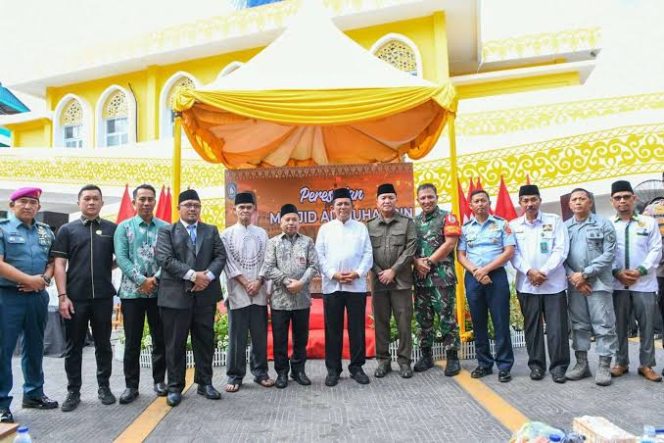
(314,97)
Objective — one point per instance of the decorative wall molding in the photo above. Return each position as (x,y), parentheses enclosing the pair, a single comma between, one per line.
(569,161)
(534,117)
(108,171)
(535,45)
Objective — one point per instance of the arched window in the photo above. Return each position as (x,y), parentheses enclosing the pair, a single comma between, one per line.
(71,121)
(116,120)
(176,82)
(71,127)
(400,52)
(116,117)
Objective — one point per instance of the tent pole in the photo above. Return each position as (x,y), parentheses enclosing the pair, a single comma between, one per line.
(177,162)
(456,205)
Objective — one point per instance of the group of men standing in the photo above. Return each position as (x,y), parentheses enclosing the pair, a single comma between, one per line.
(607,267)
(588,272)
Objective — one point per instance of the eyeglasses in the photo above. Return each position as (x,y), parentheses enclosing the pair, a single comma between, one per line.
(191,206)
(622,197)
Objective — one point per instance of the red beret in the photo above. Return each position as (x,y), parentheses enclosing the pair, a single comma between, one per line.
(28,192)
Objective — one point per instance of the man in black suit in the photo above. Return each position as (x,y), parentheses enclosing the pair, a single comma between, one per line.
(191,256)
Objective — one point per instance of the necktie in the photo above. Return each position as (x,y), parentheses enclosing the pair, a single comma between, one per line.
(192,233)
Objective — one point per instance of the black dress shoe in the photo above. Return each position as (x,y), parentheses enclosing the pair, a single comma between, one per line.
(405,371)
(6,416)
(536,374)
(209,392)
(504,376)
(71,402)
(282,380)
(129,395)
(331,379)
(360,377)
(480,372)
(105,395)
(383,369)
(559,378)
(42,402)
(301,378)
(160,389)
(173,399)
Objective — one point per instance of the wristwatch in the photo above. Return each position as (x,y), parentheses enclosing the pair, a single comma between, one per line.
(47,280)
(193,278)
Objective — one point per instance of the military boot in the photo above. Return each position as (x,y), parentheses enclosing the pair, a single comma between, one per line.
(581,369)
(425,362)
(603,376)
(452,367)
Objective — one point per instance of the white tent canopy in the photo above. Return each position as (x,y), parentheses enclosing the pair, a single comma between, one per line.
(312,53)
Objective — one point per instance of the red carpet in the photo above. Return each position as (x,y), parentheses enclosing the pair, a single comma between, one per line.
(316,345)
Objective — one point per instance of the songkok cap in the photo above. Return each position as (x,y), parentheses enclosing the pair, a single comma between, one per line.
(386,188)
(340,193)
(288,209)
(189,194)
(621,186)
(28,192)
(244,197)
(528,190)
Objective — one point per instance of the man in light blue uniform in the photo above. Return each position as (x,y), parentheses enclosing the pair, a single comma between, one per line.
(25,271)
(485,246)
(588,267)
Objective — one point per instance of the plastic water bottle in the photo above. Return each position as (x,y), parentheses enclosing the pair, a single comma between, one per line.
(649,435)
(22,435)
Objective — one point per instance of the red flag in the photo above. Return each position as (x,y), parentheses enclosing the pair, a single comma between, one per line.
(471,188)
(504,205)
(126,209)
(479,183)
(168,210)
(463,203)
(159,212)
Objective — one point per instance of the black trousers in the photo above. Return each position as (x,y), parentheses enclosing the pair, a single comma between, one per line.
(134,311)
(334,306)
(553,308)
(252,320)
(177,324)
(281,322)
(98,313)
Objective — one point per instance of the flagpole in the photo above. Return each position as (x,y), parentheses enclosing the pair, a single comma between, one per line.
(456,205)
(177,162)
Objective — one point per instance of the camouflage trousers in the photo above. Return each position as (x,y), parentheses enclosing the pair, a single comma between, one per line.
(430,301)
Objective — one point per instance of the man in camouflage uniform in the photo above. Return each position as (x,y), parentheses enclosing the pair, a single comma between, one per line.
(435,280)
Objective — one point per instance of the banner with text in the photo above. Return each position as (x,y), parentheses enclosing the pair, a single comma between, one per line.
(310,189)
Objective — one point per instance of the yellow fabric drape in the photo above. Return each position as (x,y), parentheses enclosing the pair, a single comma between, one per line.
(248,129)
(318,107)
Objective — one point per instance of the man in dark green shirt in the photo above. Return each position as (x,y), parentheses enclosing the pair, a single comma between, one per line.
(393,242)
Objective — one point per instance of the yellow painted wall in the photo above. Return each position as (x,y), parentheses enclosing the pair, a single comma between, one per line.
(33,134)
(518,85)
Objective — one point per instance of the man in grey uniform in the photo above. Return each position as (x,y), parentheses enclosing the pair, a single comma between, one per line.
(588,266)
